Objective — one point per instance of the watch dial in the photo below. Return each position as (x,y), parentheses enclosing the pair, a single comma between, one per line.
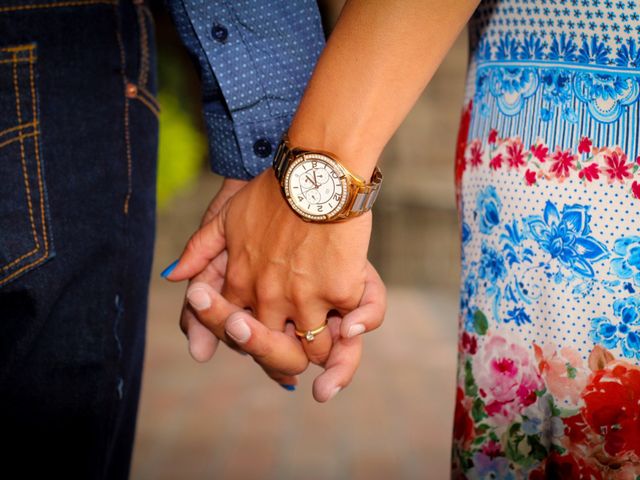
(315,187)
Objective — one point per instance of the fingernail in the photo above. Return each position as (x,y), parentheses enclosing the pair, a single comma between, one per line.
(199,298)
(167,271)
(290,388)
(239,330)
(355,329)
(334,392)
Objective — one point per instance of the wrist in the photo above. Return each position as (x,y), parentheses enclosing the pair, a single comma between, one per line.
(359,157)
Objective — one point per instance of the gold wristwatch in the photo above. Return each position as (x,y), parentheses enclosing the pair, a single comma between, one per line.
(319,188)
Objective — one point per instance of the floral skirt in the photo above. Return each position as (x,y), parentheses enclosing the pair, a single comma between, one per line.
(549,352)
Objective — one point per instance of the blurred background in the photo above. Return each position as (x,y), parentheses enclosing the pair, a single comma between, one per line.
(226,419)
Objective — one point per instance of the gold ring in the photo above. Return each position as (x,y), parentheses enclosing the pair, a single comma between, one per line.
(309,335)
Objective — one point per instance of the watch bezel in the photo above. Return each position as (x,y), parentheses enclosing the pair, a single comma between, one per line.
(309,156)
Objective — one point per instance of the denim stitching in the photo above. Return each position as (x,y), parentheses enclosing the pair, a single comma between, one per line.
(144,47)
(36,144)
(27,182)
(149,96)
(149,105)
(21,137)
(18,127)
(18,138)
(77,3)
(127,134)
(18,60)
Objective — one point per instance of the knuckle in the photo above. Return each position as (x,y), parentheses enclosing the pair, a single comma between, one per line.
(267,292)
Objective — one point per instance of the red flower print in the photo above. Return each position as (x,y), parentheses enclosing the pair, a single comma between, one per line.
(617,166)
(462,422)
(590,172)
(492,449)
(563,162)
(540,151)
(496,162)
(530,177)
(476,153)
(565,466)
(612,407)
(585,145)
(514,154)
(461,146)
(638,160)
(635,189)
(493,136)
(469,343)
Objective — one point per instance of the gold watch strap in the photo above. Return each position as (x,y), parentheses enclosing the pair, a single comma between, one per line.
(363,196)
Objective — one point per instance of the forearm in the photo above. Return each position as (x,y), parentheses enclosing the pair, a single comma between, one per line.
(380,56)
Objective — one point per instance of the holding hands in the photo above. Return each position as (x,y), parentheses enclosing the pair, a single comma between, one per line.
(258,273)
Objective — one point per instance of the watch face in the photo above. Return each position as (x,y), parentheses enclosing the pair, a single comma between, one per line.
(315,186)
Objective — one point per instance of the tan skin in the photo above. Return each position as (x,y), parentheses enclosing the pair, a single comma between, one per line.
(379,58)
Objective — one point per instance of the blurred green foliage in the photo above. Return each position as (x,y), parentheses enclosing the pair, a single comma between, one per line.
(182,147)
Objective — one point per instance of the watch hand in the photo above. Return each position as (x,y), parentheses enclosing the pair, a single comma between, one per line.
(315,185)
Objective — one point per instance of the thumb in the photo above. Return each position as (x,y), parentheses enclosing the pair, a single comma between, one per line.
(203,246)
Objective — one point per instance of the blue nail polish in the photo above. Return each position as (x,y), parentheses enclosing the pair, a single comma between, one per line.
(167,271)
(290,388)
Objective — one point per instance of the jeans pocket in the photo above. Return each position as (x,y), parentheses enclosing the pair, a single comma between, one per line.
(25,233)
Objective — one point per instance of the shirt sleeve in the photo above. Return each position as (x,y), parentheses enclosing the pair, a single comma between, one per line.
(255,59)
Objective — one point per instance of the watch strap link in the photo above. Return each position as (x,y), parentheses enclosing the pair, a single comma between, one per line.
(366,195)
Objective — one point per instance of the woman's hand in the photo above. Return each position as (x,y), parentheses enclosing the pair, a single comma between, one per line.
(208,317)
(280,267)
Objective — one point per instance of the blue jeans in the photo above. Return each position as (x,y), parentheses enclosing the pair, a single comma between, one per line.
(78,144)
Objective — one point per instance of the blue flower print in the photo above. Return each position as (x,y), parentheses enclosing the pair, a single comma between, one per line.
(485,468)
(625,333)
(628,55)
(593,52)
(563,49)
(532,48)
(605,94)
(627,262)
(488,206)
(518,315)
(566,237)
(512,86)
(465,233)
(492,267)
(556,86)
(507,48)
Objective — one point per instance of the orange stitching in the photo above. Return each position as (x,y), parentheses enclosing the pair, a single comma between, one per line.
(18,48)
(25,174)
(144,47)
(150,97)
(20,59)
(151,108)
(24,163)
(77,3)
(17,127)
(127,135)
(41,189)
(36,144)
(19,138)
(22,269)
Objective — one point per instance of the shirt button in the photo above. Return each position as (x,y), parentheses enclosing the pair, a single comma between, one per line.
(219,32)
(262,147)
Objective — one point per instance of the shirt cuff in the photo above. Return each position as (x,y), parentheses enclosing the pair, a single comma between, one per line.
(242,150)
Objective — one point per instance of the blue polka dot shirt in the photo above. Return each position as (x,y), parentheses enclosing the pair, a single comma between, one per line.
(255,58)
